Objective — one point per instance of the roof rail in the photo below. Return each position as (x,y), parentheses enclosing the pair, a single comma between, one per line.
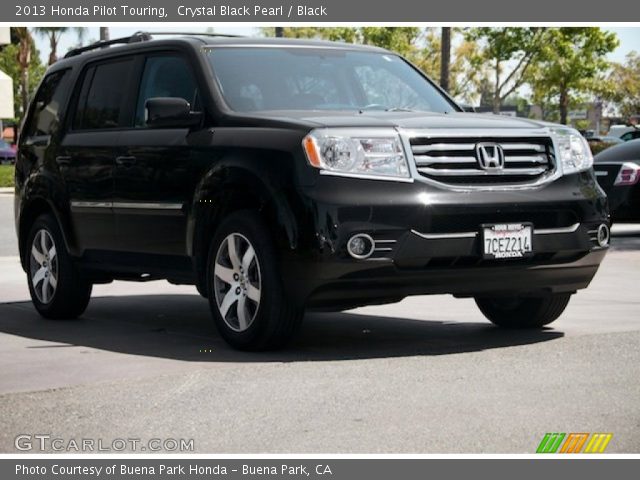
(138,37)
(195,34)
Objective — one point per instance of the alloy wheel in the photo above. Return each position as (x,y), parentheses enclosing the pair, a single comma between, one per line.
(43,266)
(237,282)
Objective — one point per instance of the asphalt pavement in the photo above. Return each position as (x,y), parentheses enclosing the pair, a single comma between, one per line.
(8,239)
(426,375)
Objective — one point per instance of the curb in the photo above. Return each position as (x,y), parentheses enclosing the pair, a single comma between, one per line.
(7,190)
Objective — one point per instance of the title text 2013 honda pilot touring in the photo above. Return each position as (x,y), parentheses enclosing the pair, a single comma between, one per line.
(282,175)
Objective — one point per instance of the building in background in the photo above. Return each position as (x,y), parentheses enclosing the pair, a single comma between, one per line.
(6,85)
(589,116)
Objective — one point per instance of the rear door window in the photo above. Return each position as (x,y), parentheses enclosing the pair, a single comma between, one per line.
(102,97)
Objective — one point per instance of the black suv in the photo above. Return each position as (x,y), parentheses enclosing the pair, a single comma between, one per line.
(279,175)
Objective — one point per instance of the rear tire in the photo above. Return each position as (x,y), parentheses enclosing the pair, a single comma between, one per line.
(57,289)
(248,301)
(523,312)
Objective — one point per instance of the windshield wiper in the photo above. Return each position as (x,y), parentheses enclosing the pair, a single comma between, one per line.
(380,108)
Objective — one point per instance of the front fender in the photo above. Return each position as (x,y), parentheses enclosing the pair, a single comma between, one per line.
(262,181)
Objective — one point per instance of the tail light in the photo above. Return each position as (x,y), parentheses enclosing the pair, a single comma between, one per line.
(628,175)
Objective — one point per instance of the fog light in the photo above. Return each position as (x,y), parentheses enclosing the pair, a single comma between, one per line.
(603,235)
(360,246)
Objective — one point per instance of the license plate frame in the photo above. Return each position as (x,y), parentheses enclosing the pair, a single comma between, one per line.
(517,240)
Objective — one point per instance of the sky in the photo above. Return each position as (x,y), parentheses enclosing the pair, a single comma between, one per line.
(629,37)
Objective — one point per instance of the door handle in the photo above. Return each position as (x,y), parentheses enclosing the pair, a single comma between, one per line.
(63,161)
(126,161)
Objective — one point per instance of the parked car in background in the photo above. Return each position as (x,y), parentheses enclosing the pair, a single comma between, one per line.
(620,130)
(632,135)
(7,154)
(604,139)
(618,173)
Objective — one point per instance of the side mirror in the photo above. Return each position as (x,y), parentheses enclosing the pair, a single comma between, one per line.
(170,112)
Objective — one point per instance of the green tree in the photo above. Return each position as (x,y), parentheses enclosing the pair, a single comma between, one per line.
(572,65)
(509,53)
(466,67)
(626,79)
(21,61)
(53,34)
(399,39)
(24,57)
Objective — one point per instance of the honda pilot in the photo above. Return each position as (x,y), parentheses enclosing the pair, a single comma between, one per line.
(284,175)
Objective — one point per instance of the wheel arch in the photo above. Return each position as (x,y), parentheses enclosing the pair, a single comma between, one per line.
(40,196)
(238,186)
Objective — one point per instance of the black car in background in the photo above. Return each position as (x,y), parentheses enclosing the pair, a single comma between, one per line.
(282,175)
(632,135)
(618,173)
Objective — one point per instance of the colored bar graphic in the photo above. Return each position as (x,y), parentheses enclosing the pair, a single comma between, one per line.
(598,443)
(550,443)
(574,443)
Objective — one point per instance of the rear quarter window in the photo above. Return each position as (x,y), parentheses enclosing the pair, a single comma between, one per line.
(48,104)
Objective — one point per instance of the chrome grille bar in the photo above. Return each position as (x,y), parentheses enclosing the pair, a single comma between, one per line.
(442,147)
(464,172)
(446,147)
(424,160)
(427,160)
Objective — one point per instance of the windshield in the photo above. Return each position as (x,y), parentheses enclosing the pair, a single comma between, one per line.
(257,78)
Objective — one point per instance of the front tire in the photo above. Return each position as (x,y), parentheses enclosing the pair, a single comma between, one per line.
(57,289)
(248,301)
(523,312)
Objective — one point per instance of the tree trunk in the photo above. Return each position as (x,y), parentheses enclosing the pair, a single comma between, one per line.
(24,87)
(445,58)
(53,44)
(24,60)
(279,32)
(564,105)
(496,90)
(104,33)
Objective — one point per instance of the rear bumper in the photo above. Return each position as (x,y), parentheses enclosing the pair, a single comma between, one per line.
(427,240)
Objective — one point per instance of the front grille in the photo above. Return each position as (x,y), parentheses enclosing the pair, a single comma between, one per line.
(453,161)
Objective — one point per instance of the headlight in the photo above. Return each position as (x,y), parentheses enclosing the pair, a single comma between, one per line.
(375,153)
(573,153)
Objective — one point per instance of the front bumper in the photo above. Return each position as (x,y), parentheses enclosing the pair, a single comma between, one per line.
(625,203)
(428,242)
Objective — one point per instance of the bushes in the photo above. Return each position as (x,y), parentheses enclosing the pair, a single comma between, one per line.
(597,147)
(6,175)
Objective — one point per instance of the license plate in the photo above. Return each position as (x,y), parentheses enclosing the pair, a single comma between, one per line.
(510,240)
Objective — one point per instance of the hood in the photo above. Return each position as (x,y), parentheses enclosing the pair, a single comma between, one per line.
(405,120)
